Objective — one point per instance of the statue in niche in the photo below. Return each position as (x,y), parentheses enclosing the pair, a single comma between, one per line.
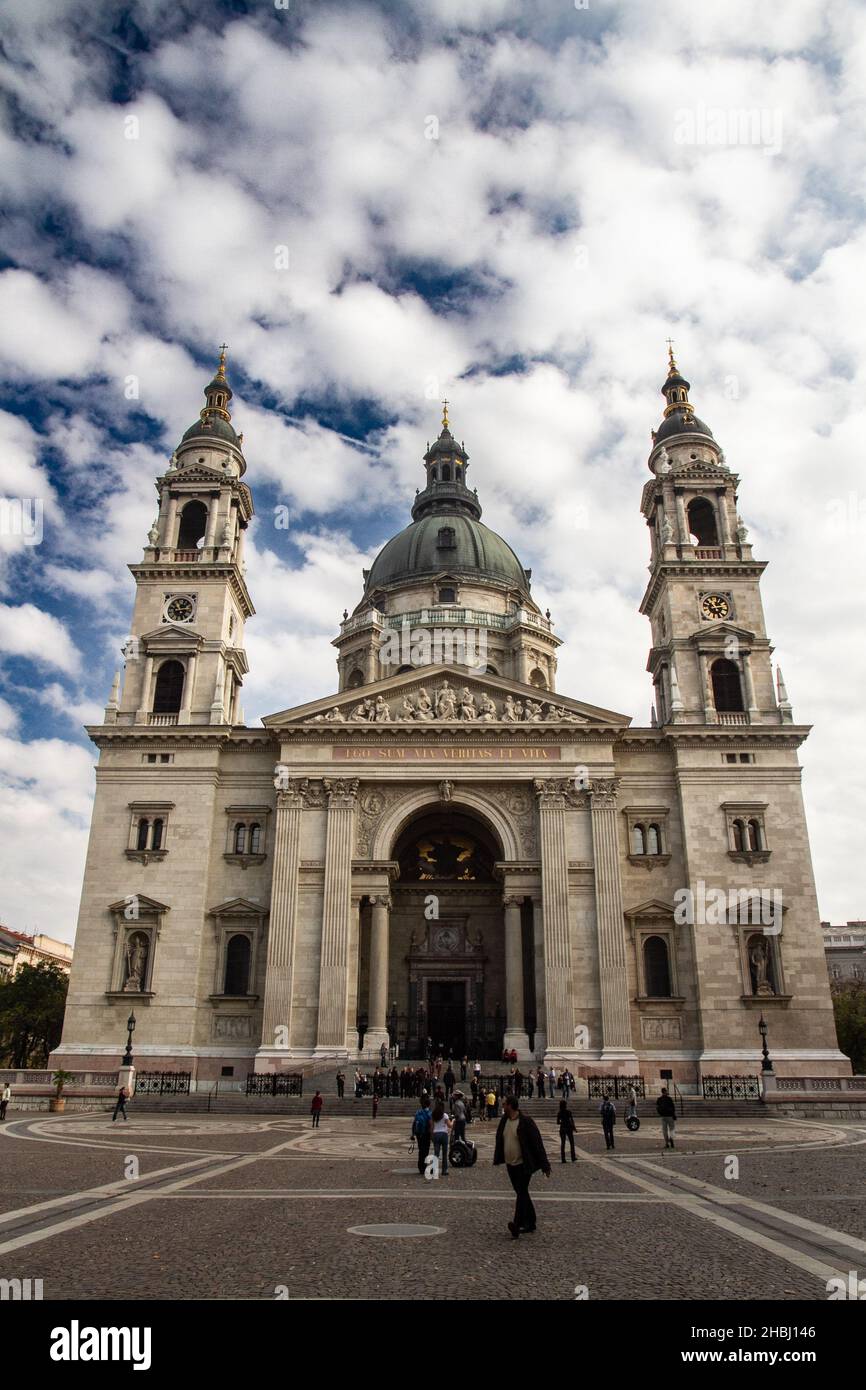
(759,961)
(446,791)
(136,962)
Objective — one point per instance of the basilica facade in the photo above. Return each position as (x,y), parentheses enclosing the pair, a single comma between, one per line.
(449,848)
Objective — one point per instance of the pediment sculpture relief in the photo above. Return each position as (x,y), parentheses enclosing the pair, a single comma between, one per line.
(447,705)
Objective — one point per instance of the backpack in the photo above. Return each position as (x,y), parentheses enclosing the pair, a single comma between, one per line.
(421,1123)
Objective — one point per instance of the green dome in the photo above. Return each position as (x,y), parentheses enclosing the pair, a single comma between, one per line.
(423,549)
(215,428)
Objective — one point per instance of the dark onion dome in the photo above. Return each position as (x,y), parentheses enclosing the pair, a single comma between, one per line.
(449,542)
(680,417)
(215,421)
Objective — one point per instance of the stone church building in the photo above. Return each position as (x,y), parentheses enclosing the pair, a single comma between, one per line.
(449,848)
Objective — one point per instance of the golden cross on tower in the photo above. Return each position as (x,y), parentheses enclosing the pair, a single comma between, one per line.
(444,415)
(223,351)
(670,343)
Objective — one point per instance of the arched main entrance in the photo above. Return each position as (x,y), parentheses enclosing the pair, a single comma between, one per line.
(445,947)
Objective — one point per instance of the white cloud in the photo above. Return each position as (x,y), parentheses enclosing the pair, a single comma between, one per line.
(27,631)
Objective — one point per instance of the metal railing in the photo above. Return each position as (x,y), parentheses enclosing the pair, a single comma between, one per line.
(274,1083)
(616,1086)
(731,1087)
(163,1083)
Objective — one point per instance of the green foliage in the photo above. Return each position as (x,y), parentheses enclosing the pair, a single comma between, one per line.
(849,1006)
(31,1015)
(60,1078)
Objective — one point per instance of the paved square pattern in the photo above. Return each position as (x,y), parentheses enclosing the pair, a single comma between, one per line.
(176,1207)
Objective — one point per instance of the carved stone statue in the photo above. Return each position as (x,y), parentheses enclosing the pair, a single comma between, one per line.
(667,532)
(509,712)
(382,714)
(445,703)
(424,706)
(446,791)
(361,712)
(153,533)
(759,960)
(467,704)
(136,962)
(532,712)
(486,709)
(742,530)
(335,716)
(407,709)
(663,462)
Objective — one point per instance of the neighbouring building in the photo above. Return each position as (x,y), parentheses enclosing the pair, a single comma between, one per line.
(447,847)
(36,949)
(845,950)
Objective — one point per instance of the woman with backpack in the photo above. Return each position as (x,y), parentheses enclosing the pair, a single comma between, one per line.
(565,1120)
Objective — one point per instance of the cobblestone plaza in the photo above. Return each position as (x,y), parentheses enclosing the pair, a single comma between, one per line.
(259,1208)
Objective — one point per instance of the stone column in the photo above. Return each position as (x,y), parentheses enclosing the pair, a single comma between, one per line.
(682,521)
(188,687)
(212,517)
(170,524)
(336,913)
(377,1031)
(282,930)
(610,922)
(709,709)
(558,986)
(516,1035)
(538,960)
(722,507)
(144,697)
(750,688)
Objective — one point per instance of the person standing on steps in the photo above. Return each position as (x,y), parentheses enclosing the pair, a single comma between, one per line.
(520,1147)
(120,1107)
(668,1111)
(421,1131)
(565,1120)
(608,1120)
(316,1108)
(341,1084)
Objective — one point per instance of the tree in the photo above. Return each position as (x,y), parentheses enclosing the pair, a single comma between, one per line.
(849,1006)
(31,1014)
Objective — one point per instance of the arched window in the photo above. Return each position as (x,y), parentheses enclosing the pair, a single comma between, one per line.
(740,841)
(240,838)
(237,979)
(193,524)
(156,838)
(355,679)
(702,521)
(538,679)
(255,844)
(492,671)
(653,840)
(754,835)
(656,966)
(446,473)
(169,688)
(638,841)
(141,840)
(727,688)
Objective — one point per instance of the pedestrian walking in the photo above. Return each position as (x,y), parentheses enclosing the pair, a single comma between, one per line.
(449,1079)
(316,1108)
(441,1126)
(520,1147)
(551,1083)
(540,1078)
(565,1120)
(464,1063)
(120,1105)
(491,1105)
(5,1098)
(375,1105)
(668,1111)
(608,1120)
(421,1131)
(341,1085)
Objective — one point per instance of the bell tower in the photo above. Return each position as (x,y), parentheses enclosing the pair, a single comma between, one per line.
(710,657)
(185,658)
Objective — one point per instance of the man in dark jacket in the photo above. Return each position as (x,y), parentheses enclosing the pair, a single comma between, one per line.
(520,1147)
(668,1112)
(422,1131)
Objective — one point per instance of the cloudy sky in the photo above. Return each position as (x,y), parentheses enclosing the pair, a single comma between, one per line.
(509,202)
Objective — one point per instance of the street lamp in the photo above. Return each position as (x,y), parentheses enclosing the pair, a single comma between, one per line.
(766,1064)
(130,1029)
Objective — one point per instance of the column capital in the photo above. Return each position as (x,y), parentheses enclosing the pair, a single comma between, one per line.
(341,791)
(602,793)
(512,900)
(381,900)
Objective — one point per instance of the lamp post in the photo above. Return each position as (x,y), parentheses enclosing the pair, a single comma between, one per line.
(766,1064)
(130,1029)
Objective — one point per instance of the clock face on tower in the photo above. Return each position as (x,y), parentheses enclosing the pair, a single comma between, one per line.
(180,608)
(715,606)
